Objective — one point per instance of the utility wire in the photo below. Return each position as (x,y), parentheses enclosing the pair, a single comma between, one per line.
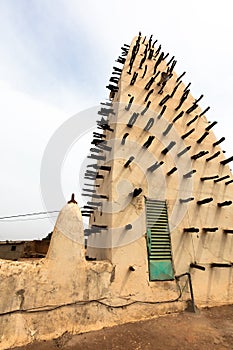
(33,219)
(29,214)
(47,308)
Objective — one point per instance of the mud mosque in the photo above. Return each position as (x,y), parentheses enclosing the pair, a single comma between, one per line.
(159,200)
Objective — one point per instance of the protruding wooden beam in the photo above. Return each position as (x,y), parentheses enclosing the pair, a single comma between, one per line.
(94,195)
(168,64)
(88,190)
(154,43)
(128,227)
(145,70)
(149,124)
(166,131)
(178,116)
(186,149)
(192,120)
(150,56)
(117,69)
(155,166)
(210,229)
(182,99)
(102,227)
(87,213)
(150,82)
(146,108)
(105,167)
(162,112)
(192,108)
(196,266)
(134,78)
(206,110)
(211,126)
(143,60)
(93,185)
(229,182)
(164,100)
(124,138)
(187,134)
(168,148)
(172,66)
(114,79)
(224,204)
(96,150)
(103,124)
(187,87)
(191,229)
(209,177)
(120,60)
(189,174)
(95,166)
(132,120)
(97,204)
(226,231)
(104,146)
(170,172)
(97,141)
(166,56)
(148,142)
(198,99)
(175,89)
(213,156)
(112,88)
(94,156)
(199,155)
(222,178)
(159,60)
(225,161)
(206,133)
(205,201)
(98,135)
(127,108)
(148,95)
(180,77)
(186,200)
(212,265)
(129,161)
(219,141)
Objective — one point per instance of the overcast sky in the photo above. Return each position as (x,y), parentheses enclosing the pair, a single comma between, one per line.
(56,58)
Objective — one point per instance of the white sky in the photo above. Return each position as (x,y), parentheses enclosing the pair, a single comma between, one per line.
(56,59)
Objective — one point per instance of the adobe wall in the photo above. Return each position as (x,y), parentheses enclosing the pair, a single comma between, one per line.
(127,248)
(42,299)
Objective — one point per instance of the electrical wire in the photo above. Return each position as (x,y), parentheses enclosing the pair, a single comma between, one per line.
(47,308)
(22,220)
(29,214)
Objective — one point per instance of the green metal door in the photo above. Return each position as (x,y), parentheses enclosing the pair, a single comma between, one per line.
(158,241)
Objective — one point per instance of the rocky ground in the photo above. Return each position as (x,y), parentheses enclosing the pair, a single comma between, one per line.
(207,329)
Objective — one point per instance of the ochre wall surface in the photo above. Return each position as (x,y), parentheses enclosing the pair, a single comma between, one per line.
(42,299)
(128,247)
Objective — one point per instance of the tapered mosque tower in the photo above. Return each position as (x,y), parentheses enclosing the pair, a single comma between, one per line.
(161,188)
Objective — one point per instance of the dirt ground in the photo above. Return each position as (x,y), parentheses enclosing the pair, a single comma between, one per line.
(207,329)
